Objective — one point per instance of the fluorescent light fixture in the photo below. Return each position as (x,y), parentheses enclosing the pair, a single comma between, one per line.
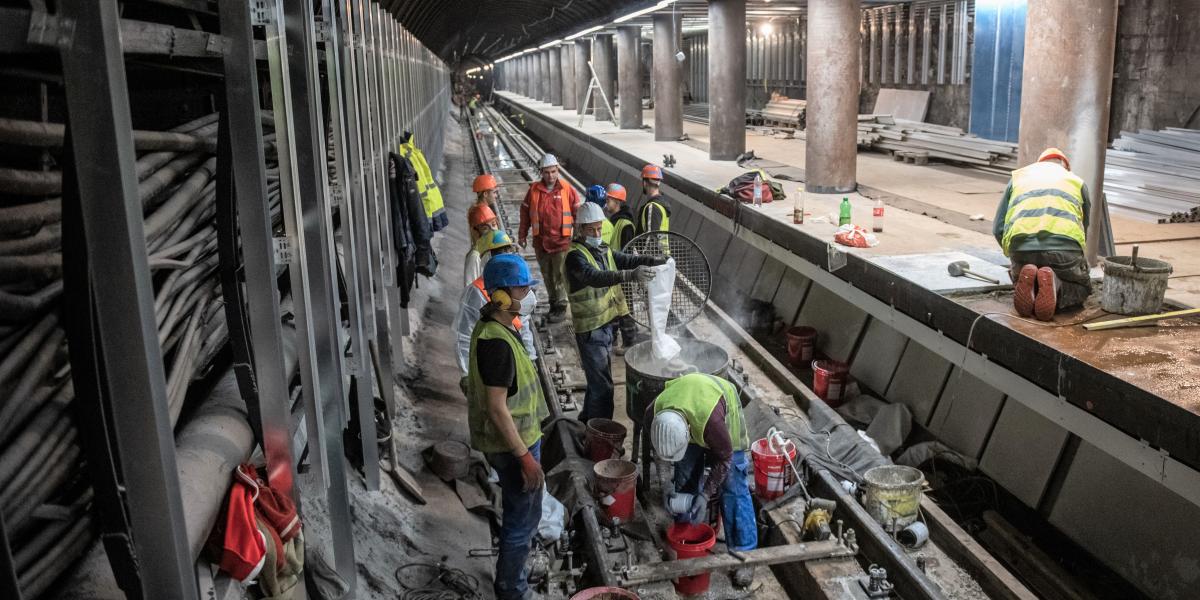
(548,44)
(583,33)
(766,29)
(637,13)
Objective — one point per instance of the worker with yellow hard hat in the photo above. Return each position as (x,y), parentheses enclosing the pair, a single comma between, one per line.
(1041,224)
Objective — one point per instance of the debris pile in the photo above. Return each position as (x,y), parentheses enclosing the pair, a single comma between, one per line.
(1155,175)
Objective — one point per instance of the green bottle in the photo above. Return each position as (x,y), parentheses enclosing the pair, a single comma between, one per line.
(844,212)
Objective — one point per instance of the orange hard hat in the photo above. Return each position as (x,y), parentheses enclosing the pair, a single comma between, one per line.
(1053,153)
(616,190)
(480,214)
(652,172)
(483,183)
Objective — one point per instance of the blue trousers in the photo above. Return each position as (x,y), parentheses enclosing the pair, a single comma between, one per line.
(595,352)
(522,512)
(737,508)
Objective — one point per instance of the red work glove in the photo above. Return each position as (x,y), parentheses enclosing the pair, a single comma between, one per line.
(531,472)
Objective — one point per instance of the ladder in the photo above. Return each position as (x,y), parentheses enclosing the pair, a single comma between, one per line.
(594,84)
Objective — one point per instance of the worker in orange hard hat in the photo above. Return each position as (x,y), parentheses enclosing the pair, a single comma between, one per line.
(1041,224)
(486,193)
(654,215)
(482,220)
(622,230)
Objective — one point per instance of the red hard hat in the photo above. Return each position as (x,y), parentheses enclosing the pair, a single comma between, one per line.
(480,214)
(616,190)
(1055,153)
(652,172)
(483,183)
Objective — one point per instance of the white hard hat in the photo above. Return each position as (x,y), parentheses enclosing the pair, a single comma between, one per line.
(670,435)
(589,212)
(548,160)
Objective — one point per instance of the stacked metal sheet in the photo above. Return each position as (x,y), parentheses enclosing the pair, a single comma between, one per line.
(1155,175)
(926,140)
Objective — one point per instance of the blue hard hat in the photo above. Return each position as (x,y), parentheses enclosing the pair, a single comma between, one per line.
(597,194)
(507,270)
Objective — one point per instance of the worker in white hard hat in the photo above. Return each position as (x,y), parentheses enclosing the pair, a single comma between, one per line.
(594,276)
(548,213)
(696,422)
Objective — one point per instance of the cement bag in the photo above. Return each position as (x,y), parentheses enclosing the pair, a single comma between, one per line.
(658,292)
(554,515)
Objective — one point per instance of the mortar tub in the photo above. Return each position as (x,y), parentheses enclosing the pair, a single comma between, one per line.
(1134,289)
(645,376)
(893,494)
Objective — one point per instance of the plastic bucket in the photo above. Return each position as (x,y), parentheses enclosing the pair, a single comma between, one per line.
(772,475)
(616,483)
(829,381)
(605,438)
(893,494)
(605,593)
(800,344)
(691,541)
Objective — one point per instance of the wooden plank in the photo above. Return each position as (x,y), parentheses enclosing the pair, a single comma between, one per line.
(992,576)
(1140,321)
(759,557)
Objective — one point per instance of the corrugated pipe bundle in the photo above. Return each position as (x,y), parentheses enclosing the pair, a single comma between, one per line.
(44,495)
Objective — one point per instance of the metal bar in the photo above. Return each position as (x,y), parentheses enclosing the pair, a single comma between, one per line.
(872,76)
(941,48)
(759,557)
(97,95)
(885,46)
(912,43)
(926,42)
(898,25)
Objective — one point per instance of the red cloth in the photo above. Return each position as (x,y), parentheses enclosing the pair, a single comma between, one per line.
(275,508)
(550,212)
(244,550)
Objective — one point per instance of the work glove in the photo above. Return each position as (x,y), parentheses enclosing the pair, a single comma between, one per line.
(661,260)
(531,472)
(642,274)
(699,511)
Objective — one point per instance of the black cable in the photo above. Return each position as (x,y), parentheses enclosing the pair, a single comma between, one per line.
(443,583)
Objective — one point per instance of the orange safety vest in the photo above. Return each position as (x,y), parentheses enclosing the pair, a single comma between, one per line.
(536,192)
(488,298)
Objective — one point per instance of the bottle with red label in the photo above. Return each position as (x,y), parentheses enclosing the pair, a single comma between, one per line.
(877,217)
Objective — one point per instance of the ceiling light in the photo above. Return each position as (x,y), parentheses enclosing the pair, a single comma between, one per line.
(637,13)
(548,44)
(766,29)
(584,32)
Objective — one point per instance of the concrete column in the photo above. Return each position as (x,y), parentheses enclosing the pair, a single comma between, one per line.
(583,76)
(523,61)
(727,72)
(1066,86)
(569,99)
(833,80)
(629,74)
(668,72)
(555,78)
(543,75)
(602,50)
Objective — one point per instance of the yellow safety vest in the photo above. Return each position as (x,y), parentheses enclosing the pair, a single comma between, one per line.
(527,406)
(616,232)
(431,196)
(1045,198)
(606,232)
(644,217)
(695,396)
(592,307)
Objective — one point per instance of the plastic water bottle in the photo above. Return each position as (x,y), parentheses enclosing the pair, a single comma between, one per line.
(757,191)
(844,212)
(877,217)
(798,208)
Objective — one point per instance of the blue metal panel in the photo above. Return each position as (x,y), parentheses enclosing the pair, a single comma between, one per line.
(996,75)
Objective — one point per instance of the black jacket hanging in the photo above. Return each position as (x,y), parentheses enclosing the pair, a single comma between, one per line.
(411,232)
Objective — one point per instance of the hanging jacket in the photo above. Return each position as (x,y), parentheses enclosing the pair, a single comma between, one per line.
(411,232)
(431,196)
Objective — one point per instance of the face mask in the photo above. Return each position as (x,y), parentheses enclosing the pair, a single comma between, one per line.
(594,241)
(527,304)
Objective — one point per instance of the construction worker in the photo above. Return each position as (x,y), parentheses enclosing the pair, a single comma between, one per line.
(548,212)
(474,296)
(697,422)
(654,215)
(482,221)
(594,277)
(505,407)
(1041,224)
(619,215)
(473,104)
(598,195)
(486,193)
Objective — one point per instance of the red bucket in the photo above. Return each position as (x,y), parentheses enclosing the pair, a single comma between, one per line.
(772,475)
(691,541)
(829,381)
(605,438)
(616,483)
(800,344)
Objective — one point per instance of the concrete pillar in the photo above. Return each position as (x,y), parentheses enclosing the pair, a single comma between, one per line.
(833,79)
(668,97)
(727,72)
(602,50)
(1066,86)
(583,75)
(543,75)
(523,61)
(555,78)
(629,74)
(569,100)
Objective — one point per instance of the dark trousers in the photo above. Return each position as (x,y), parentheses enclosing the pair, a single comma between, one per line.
(629,331)
(522,513)
(595,352)
(1074,283)
(737,508)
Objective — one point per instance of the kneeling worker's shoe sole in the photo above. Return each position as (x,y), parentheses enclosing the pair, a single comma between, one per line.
(1047,295)
(1023,298)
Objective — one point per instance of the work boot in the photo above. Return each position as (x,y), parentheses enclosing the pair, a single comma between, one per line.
(1023,298)
(1047,294)
(742,578)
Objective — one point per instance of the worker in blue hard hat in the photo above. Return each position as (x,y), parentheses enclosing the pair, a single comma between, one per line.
(505,408)
(475,296)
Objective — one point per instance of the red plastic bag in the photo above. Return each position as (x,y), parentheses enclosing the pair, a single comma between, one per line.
(855,237)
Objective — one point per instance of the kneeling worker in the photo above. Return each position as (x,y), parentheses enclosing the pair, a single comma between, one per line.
(505,408)
(696,421)
(594,277)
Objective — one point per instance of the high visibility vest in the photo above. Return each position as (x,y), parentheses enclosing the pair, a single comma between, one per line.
(618,232)
(695,396)
(592,307)
(527,406)
(606,232)
(431,196)
(644,216)
(537,191)
(478,283)
(1045,198)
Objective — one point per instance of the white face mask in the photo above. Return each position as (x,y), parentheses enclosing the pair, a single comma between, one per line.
(593,241)
(526,304)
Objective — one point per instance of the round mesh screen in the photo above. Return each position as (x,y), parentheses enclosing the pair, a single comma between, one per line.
(693,281)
